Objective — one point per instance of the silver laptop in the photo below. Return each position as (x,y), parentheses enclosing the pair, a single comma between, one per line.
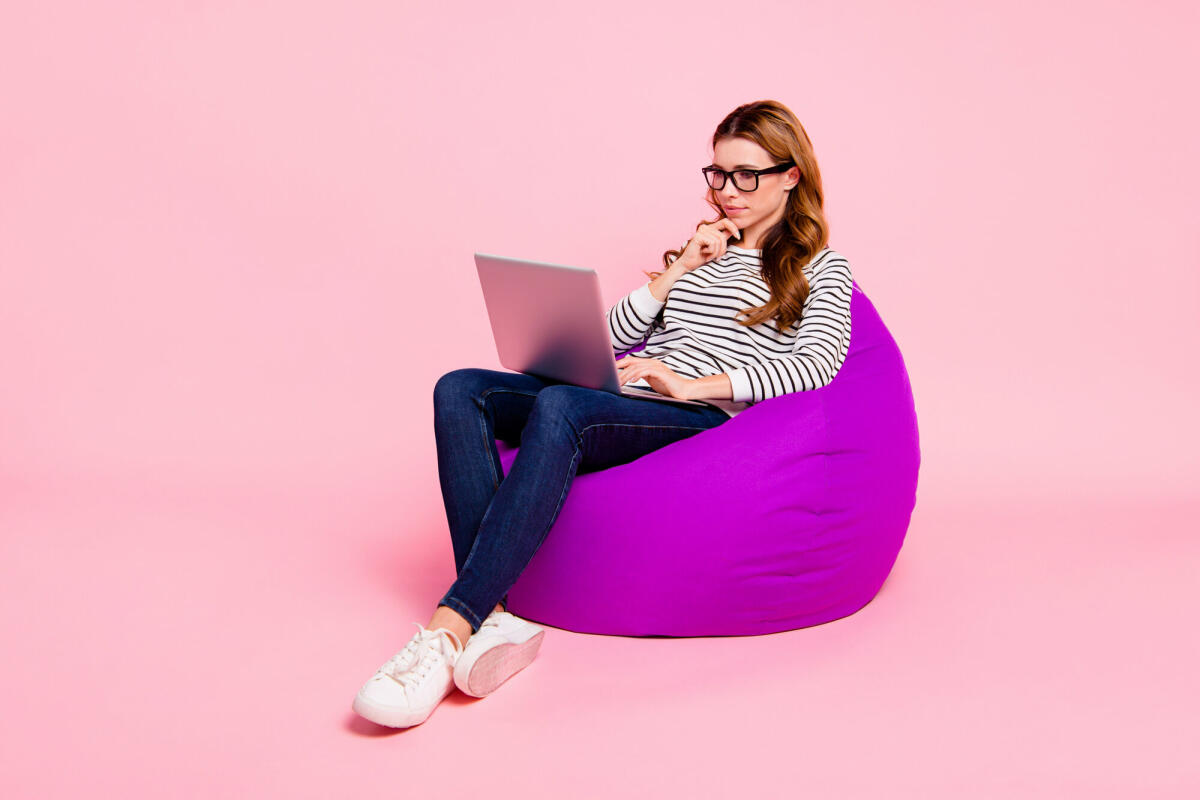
(549,320)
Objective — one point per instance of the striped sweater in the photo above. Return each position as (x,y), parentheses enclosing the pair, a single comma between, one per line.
(695,332)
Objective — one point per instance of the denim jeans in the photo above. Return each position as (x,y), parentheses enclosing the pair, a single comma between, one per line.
(497,521)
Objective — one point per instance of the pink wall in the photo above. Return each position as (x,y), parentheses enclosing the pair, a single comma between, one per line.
(227,228)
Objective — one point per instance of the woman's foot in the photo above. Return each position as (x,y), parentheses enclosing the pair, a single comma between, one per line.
(503,646)
(406,689)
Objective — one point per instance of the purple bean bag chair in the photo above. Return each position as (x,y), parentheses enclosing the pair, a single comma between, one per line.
(788,515)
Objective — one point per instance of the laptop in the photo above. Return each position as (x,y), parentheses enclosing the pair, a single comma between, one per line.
(548,320)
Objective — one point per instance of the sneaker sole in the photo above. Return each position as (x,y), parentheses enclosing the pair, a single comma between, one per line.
(388,716)
(500,663)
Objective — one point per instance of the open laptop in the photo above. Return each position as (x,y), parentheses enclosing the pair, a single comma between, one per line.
(549,320)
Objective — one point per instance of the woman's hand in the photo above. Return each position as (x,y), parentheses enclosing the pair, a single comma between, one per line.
(708,243)
(657,374)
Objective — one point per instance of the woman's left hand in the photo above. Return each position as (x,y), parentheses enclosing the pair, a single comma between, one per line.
(657,374)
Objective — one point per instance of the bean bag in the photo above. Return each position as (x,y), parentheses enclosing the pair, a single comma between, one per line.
(790,514)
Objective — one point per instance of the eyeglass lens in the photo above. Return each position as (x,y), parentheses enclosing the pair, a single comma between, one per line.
(744,181)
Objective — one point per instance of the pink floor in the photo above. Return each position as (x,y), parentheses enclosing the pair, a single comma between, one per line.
(206,645)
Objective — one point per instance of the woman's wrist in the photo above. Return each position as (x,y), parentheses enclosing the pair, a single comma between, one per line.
(663,283)
(710,387)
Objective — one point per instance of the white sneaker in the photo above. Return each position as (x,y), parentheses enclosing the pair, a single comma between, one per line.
(503,646)
(406,689)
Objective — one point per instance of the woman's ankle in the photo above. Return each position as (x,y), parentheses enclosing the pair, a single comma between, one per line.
(451,620)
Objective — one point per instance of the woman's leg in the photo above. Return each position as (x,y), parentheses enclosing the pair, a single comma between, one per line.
(569,429)
(472,408)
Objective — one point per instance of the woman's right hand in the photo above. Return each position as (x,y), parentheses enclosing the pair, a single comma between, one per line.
(708,243)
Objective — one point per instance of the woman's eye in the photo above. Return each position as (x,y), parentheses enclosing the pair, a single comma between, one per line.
(743,176)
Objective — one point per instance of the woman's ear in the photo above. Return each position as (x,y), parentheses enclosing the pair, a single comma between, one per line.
(793,178)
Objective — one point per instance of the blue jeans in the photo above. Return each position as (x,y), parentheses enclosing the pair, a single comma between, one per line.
(498,521)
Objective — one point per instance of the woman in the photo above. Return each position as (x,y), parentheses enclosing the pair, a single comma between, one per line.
(794,294)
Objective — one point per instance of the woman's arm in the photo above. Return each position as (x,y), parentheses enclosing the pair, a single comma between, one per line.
(820,347)
(665,380)
(710,387)
(660,286)
(630,319)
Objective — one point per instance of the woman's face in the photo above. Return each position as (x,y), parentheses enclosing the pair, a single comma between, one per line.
(757,211)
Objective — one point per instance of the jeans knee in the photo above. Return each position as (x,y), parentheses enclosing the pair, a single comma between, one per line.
(456,383)
(559,402)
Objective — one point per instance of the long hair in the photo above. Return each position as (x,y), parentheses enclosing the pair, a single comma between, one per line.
(802,232)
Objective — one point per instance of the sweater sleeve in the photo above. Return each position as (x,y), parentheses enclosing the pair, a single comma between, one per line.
(820,347)
(631,318)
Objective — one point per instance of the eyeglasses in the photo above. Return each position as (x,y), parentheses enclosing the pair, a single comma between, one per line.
(746,180)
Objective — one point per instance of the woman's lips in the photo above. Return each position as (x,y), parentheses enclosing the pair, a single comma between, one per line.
(733,210)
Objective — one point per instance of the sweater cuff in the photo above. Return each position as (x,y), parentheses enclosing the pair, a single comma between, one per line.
(644,303)
(740,382)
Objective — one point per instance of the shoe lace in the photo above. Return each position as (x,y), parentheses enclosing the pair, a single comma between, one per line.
(404,659)
(410,666)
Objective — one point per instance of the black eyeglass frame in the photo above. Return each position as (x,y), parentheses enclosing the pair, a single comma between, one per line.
(727,175)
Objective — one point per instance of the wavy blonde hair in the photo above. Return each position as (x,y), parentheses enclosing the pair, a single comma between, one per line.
(801,233)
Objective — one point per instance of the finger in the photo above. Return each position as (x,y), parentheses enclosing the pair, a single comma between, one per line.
(725,228)
(717,249)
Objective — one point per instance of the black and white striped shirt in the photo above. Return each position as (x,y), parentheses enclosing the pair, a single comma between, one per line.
(697,333)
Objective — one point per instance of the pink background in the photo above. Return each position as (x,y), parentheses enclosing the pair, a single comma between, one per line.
(228,232)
